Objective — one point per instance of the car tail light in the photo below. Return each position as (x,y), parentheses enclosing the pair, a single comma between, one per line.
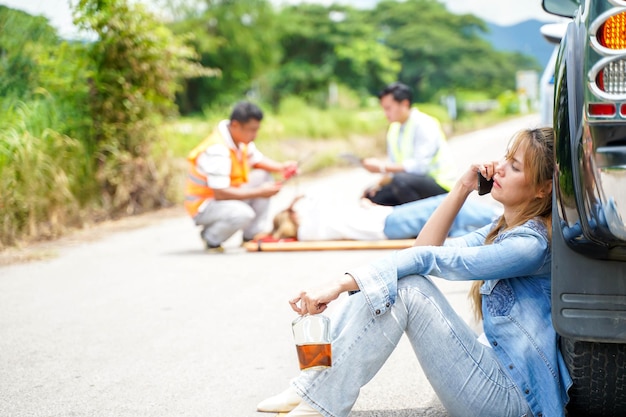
(612,33)
(607,77)
(612,77)
(602,109)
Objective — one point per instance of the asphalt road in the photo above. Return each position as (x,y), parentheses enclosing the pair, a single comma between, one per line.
(144,323)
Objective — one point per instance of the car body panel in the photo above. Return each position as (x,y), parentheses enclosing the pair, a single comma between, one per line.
(589,222)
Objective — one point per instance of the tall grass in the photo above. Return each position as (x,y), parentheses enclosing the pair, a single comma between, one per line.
(42,175)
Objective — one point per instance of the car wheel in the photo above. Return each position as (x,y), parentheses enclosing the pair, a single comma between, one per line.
(599,374)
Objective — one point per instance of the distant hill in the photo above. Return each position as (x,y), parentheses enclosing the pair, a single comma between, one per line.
(523,37)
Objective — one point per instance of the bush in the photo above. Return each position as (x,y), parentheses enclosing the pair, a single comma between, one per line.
(138,68)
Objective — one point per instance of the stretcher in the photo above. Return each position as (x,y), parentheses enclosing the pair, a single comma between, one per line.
(296,245)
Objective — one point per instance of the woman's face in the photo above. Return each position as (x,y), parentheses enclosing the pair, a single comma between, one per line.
(511,187)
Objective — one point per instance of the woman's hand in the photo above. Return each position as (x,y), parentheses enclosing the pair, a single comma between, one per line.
(436,229)
(316,300)
(469,179)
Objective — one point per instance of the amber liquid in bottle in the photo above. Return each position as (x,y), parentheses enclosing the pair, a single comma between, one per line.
(314,356)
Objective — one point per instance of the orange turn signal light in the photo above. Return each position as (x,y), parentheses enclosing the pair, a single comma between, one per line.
(612,33)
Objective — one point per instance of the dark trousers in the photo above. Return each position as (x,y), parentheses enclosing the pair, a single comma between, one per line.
(404,188)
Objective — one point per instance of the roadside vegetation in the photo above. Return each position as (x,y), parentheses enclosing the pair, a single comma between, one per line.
(98,128)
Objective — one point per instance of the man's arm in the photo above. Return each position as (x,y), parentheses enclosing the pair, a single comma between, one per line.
(244,193)
(287,168)
(215,162)
(375,165)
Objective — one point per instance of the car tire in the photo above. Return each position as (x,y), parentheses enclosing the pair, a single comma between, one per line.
(598,371)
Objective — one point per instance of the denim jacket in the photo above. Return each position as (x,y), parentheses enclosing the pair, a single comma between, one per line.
(515,301)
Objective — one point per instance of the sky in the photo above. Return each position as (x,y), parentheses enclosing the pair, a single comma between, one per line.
(502,12)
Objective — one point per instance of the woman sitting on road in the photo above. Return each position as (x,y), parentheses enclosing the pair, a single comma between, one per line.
(312,219)
(516,369)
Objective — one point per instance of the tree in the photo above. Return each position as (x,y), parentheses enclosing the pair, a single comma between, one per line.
(238,37)
(20,37)
(324,45)
(447,55)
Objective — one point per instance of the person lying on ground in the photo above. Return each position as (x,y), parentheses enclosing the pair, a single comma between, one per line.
(312,219)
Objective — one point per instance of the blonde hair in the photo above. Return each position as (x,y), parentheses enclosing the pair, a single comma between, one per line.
(285,225)
(538,148)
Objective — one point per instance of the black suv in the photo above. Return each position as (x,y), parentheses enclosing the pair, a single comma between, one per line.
(589,219)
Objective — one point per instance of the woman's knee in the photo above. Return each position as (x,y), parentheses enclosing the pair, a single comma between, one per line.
(421,282)
(419,293)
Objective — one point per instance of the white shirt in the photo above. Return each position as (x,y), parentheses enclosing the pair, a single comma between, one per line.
(321,219)
(215,161)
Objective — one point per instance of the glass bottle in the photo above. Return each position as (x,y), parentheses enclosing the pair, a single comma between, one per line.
(311,334)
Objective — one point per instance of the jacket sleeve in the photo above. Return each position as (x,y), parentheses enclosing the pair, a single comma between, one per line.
(518,254)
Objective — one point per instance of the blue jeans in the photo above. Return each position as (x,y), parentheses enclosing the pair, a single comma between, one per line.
(465,374)
(407,220)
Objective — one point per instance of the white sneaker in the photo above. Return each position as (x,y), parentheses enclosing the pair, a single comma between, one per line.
(281,403)
(304,410)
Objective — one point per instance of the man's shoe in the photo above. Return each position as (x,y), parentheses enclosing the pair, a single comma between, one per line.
(210,248)
(303,410)
(281,403)
(214,248)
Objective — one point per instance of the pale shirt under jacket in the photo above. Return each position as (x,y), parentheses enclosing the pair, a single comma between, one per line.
(216,164)
(516,301)
(215,161)
(427,139)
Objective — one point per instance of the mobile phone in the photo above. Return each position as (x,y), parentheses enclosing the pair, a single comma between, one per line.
(351,158)
(484,185)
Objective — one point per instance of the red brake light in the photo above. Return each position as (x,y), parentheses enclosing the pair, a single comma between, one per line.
(602,109)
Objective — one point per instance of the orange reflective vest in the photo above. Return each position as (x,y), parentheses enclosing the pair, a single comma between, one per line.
(197,190)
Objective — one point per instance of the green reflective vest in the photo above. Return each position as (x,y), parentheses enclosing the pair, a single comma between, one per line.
(441,167)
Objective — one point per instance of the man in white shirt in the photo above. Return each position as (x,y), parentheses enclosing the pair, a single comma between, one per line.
(419,162)
(229,182)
